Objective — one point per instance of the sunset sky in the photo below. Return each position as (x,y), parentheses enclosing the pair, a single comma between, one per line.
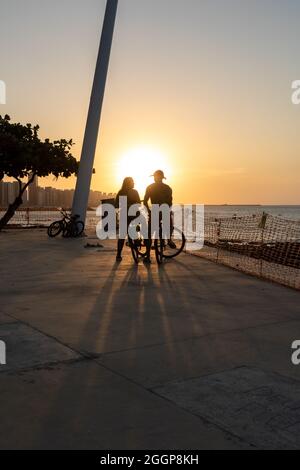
(200,88)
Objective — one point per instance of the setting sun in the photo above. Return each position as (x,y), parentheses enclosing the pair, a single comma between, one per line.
(140,163)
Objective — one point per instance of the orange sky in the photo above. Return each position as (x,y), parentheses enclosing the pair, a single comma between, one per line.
(208,88)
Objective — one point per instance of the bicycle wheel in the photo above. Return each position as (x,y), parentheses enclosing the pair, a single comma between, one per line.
(141,247)
(67,230)
(55,229)
(79,229)
(134,250)
(175,245)
(159,250)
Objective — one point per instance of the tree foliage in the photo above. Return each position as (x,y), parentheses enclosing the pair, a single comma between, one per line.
(23,155)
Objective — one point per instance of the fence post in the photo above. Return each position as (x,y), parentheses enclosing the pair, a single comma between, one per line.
(262,225)
(218,246)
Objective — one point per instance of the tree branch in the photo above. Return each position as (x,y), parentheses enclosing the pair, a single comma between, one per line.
(22,188)
(20,185)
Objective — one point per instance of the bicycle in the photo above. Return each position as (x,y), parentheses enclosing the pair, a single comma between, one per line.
(165,247)
(69,226)
(168,248)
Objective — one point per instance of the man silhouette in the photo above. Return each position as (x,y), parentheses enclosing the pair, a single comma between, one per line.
(157,193)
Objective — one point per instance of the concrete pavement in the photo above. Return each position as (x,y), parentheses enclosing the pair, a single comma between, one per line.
(108,356)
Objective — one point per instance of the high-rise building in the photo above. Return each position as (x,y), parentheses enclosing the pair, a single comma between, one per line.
(45,197)
(33,192)
(13,191)
(8,193)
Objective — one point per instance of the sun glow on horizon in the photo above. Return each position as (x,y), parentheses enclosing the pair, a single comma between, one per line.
(140,163)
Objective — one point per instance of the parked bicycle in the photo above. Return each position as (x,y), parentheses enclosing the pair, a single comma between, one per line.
(165,248)
(69,226)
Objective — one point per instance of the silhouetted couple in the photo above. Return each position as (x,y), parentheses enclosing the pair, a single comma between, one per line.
(157,193)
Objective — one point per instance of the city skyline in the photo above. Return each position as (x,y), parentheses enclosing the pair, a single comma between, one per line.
(48,196)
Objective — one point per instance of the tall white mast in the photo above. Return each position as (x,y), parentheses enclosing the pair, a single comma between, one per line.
(81,196)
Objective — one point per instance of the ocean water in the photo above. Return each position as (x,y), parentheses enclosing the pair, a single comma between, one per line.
(286,212)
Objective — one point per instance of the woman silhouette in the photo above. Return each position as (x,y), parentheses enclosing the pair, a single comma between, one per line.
(132,198)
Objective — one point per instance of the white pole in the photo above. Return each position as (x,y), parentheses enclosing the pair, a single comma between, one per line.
(81,196)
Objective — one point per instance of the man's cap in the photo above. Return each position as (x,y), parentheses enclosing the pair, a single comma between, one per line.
(159,173)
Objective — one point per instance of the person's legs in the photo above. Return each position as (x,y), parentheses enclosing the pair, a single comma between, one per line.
(148,242)
(171,242)
(121,243)
(148,248)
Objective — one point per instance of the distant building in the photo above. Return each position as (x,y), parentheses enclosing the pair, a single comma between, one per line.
(33,192)
(37,196)
(8,193)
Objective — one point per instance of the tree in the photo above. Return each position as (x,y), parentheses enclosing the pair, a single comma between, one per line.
(24,155)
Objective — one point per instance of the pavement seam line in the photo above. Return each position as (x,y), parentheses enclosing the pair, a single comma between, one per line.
(175,405)
(191,338)
(85,356)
